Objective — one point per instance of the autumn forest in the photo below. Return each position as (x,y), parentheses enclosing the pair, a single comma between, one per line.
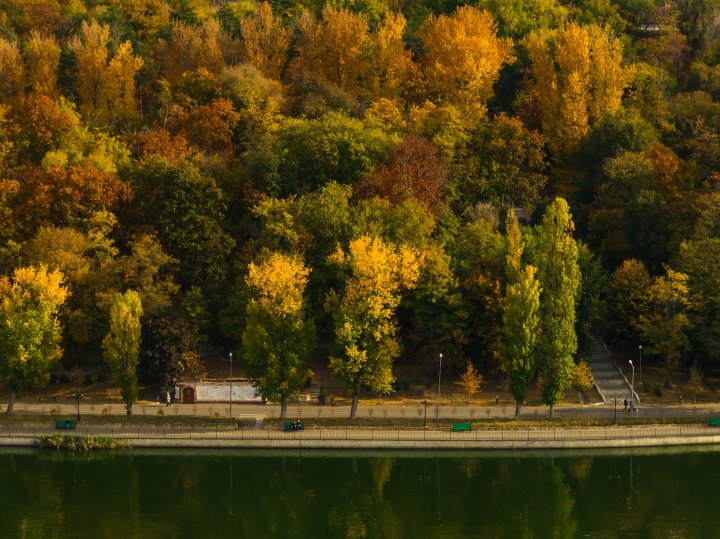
(359,183)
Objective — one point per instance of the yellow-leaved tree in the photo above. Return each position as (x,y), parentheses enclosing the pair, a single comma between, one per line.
(376,273)
(391,62)
(11,70)
(278,337)
(106,85)
(334,47)
(42,54)
(191,48)
(29,327)
(463,55)
(577,79)
(264,41)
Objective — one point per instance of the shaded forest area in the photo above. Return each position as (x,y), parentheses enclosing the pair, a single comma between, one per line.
(340,179)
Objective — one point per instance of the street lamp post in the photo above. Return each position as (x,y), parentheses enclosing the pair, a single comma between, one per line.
(231,395)
(425,405)
(437,418)
(640,366)
(615,400)
(78,396)
(632,388)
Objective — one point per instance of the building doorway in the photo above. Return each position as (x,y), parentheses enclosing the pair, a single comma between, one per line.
(188,395)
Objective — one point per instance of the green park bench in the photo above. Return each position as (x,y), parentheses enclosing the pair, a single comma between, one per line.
(533,403)
(65,424)
(291,426)
(461,427)
(714,422)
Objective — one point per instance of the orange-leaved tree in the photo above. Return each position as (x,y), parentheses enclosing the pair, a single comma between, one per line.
(463,55)
(577,78)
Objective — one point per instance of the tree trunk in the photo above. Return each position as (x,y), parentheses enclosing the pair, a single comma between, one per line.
(552,409)
(128,408)
(354,407)
(283,408)
(518,407)
(11,404)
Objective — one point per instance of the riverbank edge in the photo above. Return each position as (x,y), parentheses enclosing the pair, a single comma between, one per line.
(289,443)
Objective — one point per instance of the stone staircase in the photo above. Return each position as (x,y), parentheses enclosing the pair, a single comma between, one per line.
(609,381)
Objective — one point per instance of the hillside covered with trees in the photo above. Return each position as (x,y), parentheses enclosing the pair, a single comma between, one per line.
(359,182)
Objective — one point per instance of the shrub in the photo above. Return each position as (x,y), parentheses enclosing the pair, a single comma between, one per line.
(78,443)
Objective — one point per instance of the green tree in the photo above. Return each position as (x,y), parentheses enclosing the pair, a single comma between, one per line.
(187,209)
(121,345)
(309,153)
(29,327)
(628,300)
(521,319)
(278,337)
(169,350)
(517,18)
(666,323)
(559,273)
(590,310)
(364,316)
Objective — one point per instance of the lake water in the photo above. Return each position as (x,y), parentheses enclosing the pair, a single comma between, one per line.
(133,494)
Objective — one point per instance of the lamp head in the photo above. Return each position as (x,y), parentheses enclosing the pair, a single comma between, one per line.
(630,362)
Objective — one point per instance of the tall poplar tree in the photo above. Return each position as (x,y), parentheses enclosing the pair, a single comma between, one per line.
(279,335)
(121,345)
(559,274)
(521,320)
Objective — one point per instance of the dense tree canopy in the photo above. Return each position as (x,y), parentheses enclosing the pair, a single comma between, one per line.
(163,146)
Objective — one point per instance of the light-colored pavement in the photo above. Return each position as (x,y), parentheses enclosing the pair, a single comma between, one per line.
(431,413)
(224,436)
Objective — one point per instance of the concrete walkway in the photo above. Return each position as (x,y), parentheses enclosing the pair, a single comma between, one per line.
(387,439)
(417,412)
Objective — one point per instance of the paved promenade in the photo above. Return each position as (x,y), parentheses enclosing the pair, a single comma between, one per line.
(447,412)
(223,436)
(227,435)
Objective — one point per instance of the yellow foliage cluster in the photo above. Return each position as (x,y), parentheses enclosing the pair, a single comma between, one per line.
(463,55)
(264,42)
(279,282)
(43,56)
(106,88)
(578,78)
(11,70)
(191,48)
(33,284)
(379,272)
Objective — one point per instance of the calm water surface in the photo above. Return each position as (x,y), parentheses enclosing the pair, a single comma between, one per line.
(417,495)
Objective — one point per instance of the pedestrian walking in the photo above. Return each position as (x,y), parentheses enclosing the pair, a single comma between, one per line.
(626,409)
(167,398)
